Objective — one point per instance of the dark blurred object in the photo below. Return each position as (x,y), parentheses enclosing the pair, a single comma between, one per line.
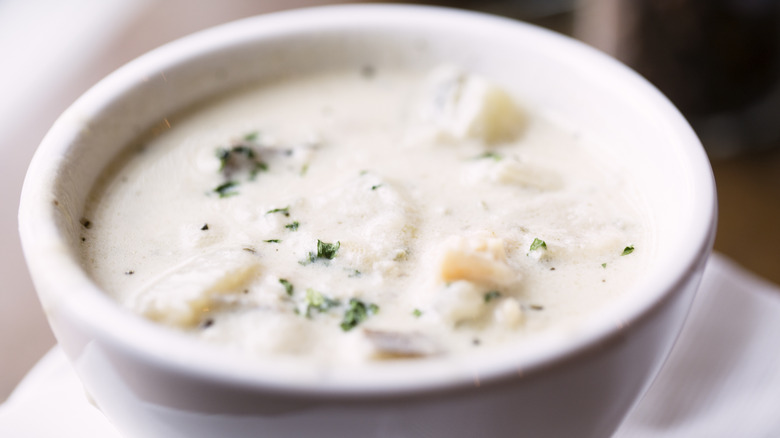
(557,15)
(719,62)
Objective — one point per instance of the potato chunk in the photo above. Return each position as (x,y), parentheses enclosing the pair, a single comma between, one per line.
(509,313)
(181,295)
(462,106)
(476,259)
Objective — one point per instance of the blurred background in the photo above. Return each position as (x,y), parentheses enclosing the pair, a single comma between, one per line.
(717,60)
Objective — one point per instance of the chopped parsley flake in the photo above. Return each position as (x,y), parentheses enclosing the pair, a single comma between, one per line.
(226,189)
(258,167)
(538,243)
(252,136)
(311,258)
(285,211)
(490,154)
(327,250)
(492,295)
(604,265)
(239,157)
(243,150)
(292,226)
(317,301)
(358,312)
(376,186)
(288,287)
(224,156)
(204,227)
(272,241)
(628,250)
(417,313)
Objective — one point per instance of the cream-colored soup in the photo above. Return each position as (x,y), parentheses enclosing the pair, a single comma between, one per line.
(356,216)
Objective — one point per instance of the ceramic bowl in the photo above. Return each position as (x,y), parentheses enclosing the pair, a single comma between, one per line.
(154,382)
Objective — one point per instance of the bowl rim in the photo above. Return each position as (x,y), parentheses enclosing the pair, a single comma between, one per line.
(46,248)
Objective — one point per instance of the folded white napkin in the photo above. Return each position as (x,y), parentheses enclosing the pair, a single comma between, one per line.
(721,380)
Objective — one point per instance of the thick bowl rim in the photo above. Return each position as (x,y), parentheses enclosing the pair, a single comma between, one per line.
(101,316)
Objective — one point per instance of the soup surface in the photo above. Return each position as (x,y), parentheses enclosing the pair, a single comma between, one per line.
(366,215)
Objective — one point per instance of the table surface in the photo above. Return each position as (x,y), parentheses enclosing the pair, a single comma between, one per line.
(748,186)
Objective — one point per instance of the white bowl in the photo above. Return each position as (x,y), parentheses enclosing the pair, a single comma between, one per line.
(153,382)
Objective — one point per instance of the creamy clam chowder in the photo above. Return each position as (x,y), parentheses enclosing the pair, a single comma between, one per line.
(365,215)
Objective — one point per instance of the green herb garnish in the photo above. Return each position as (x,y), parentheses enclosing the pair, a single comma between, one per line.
(292,226)
(417,313)
(376,186)
(252,136)
(272,241)
(604,265)
(317,301)
(285,211)
(327,250)
(224,156)
(243,150)
(288,287)
(239,157)
(489,154)
(628,250)
(358,312)
(259,166)
(227,189)
(538,243)
(492,295)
